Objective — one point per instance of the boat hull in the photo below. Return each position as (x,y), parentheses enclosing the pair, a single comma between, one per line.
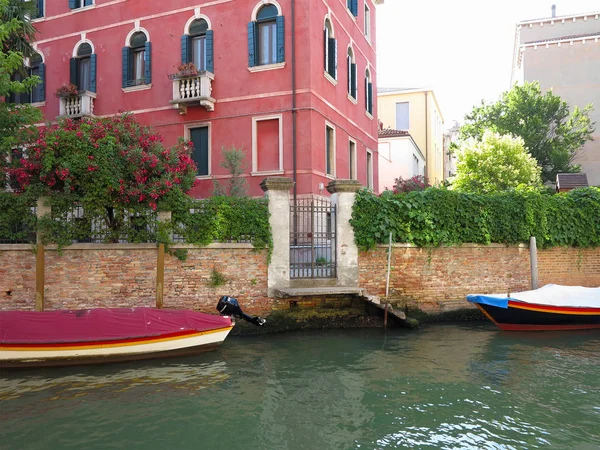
(172,345)
(534,317)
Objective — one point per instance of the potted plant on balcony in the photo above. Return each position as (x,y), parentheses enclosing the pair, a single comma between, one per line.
(69,90)
(185,71)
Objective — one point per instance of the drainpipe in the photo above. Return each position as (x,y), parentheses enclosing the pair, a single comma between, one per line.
(426,138)
(294,143)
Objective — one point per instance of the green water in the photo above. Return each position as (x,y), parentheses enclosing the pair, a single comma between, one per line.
(450,387)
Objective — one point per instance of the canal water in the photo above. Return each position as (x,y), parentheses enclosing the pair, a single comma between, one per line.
(446,387)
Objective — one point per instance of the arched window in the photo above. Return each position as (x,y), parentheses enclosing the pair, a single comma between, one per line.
(197,46)
(352,74)
(37,94)
(83,68)
(137,68)
(330,46)
(266,37)
(368,92)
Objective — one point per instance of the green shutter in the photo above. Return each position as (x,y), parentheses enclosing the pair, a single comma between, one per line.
(40,8)
(126,67)
(147,63)
(353,80)
(210,66)
(354,8)
(370,90)
(93,72)
(252,44)
(333,54)
(185,49)
(280,39)
(72,4)
(73,73)
(42,85)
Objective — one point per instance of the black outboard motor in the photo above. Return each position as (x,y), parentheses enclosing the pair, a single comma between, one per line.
(229,306)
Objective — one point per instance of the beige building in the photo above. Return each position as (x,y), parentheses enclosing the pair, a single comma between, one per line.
(416,111)
(563,54)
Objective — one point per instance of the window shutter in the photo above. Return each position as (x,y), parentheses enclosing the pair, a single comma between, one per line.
(40,9)
(280,39)
(326,44)
(72,4)
(333,54)
(210,65)
(252,44)
(186,44)
(73,74)
(93,72)
(354,8)
(147,63)
(125,68)
(370,90)
(42,85)
(353,80)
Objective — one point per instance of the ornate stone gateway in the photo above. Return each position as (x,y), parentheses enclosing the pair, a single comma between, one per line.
(312,238)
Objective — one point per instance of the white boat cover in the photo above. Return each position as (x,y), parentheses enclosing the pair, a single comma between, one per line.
(550,294)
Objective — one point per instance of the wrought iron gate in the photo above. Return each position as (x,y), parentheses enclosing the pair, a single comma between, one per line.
(312,239)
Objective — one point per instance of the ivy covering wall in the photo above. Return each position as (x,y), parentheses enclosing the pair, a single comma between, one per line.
(439,216)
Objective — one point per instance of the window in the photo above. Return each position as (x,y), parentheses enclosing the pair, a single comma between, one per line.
(137,61)
(369,170)
(267,144)
(330,46)
(266,37)
(353,7)
(83,68)
(352,160)
(352,89)
(197,46)
(74,4)
(415,165)
(367,22)
(201,152)
(329,150)
(38,10)
(402,116)
(37,93)
(368,92)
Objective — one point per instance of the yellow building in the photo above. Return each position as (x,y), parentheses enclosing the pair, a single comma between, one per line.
(416,111)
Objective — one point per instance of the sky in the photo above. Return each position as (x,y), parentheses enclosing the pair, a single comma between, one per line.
(462,49)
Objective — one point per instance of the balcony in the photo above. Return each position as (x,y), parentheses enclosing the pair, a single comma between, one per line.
(194,90)
(79,105)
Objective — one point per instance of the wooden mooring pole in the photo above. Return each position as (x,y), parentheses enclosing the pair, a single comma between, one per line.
(533,260)
(39,278)
(387,283)
(160,275)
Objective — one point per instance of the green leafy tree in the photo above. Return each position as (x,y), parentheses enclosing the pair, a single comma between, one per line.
(234,160)
(15,34)
(552,134)
(494,164)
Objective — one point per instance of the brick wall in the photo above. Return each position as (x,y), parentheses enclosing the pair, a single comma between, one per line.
(120,275)
(438,279)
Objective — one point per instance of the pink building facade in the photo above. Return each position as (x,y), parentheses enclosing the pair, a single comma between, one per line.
(290,82)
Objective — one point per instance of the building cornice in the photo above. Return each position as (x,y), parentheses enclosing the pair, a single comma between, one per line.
(560,19)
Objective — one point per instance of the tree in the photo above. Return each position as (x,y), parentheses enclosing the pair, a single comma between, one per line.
(15,33)
(106,165)
(496,163)
(551,134)
(234,162)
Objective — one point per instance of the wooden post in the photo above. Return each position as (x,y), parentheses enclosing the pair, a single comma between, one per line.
(160,275)
(533,262)
(39,278)
(387,283)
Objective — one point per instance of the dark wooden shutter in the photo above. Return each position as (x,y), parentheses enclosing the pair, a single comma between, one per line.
(147,63)
(93,72)
(370,90)
(353,80)
(125,67)
(280,39)
(354,8)
(40,8)
(210,65)
(252,44)
(186,48)
(73,72)
(333,54)
(42,85)
(72,4)
(199,137)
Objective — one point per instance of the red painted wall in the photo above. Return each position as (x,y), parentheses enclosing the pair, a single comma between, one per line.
(240,94)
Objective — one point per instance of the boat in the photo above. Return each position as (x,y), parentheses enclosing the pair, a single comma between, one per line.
(551,307)
(102,335)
